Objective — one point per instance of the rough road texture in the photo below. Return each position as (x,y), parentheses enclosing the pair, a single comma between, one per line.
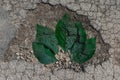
(104,16)
(6,31)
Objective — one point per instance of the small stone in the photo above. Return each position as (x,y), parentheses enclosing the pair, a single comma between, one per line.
(70,62)
(54,2)
(67,59)
(73,6)
(57,62)
(31,51)
(21,57)
(18,57)
(17,54)
(57,65)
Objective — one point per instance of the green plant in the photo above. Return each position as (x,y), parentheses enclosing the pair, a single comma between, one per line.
(69,35)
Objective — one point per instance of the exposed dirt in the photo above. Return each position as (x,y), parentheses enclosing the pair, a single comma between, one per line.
(47,15)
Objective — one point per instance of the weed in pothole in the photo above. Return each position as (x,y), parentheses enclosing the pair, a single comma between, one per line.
(21,46)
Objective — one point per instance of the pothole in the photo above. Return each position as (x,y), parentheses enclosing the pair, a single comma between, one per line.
(20,47)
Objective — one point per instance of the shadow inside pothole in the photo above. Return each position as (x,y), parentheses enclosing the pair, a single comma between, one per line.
(20,47)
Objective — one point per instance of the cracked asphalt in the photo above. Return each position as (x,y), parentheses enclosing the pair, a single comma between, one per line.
(104,16)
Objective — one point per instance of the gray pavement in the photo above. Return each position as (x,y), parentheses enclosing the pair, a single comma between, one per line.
(7,31)
(104,16)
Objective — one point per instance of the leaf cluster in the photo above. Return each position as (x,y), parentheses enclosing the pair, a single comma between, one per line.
(69,35)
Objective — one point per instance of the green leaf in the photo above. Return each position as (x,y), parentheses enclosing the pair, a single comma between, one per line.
(45,46)
(89,51)
(43,30)
(76,50)
(70,41)
(62,32)
(43,53)
(65,32)
(47,37)
(90,47)
(81,32)
(81,54)
(83,49)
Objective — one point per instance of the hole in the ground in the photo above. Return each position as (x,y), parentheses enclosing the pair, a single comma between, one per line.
(47,15)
